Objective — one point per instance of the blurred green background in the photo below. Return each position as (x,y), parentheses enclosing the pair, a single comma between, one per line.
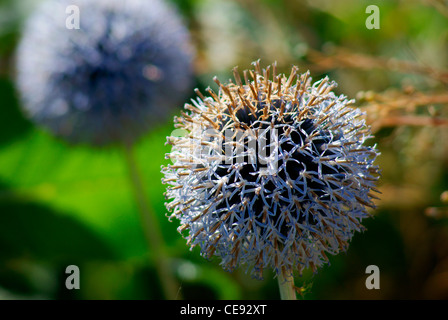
(63,205)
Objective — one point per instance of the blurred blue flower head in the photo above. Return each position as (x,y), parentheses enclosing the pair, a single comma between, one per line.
(271,173)
(121,72)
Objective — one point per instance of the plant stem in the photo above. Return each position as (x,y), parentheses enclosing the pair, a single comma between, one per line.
(286,286)
(151,228)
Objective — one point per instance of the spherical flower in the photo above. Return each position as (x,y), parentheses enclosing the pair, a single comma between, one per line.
(271,173)
(109,80)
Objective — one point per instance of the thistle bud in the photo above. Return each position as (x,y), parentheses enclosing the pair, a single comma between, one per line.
(105,72)
(272,172)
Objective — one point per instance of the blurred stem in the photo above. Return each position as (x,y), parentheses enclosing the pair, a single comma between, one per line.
(151,228)
(286,286)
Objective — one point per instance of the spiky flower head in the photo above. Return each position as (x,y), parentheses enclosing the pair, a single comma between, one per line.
(111,79)
(272,172)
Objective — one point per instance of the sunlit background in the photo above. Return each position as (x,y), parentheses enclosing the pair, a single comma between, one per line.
(66,205)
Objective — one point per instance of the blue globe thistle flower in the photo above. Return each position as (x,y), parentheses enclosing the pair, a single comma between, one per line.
(122,71)
(271,173)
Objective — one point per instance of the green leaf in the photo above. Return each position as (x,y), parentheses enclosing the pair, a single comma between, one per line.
(33,231)
(86,183)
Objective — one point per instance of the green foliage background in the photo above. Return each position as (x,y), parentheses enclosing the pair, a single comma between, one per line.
(63,204)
